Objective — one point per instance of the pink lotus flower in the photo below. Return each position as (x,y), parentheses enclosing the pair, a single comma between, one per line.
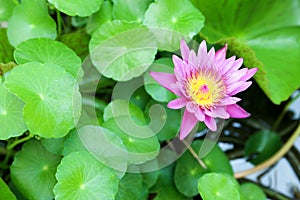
(205,84)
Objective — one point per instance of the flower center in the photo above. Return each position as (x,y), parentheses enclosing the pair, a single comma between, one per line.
(205,88)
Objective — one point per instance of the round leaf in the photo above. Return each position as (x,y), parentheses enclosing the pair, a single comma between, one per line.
(130,10)
(11,115)
(155,90)
(81,176)
(261,39)
(171,21)
(213,186)
(77,7)
(140,145)
(51,96)
(73,143)
(32,20)
(100,17)
(251,191)
(54,145)
(262,145)
(189,168)
(33,171)
(48,51)
(122,50)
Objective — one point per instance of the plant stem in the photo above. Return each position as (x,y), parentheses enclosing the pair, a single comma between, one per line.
(282,114)
(15,143)
(285,148)
(191,150)
(59,25)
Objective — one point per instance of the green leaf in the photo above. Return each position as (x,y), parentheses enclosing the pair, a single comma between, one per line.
(73,143)
(44,50)
(250,191)
(140,143)
(51,96)
(131,187)
(105,146)
(54,145)
(11,115)
(169,121)
(262,145)
(6,50)
(171,21)
(81,176)
(154,89)
(100,17)
(77,7)
(5,191)
(150,178)
(33,171)
(6,9)
(30,18)
(261,39)
(122,107)
(187,167)
(122,50)
(130,10)
(165,187)
(214,186)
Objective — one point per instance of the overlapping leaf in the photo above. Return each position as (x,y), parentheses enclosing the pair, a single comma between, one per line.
(263,34)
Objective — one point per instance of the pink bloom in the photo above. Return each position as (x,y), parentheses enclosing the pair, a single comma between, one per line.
(205,84)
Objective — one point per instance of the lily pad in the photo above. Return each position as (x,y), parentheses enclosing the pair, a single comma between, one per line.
(122,50)
(30,18)
(262,145)
(77,7)
(34,165)
(261,39)
(6,9)
(250,191)
(44,50)
(81,176)
(5,191)
(100,17)
(130,10)
(171,21)
(11,115)
(140,145)
(155,90)
(190,169)
(51,96)
(214,186)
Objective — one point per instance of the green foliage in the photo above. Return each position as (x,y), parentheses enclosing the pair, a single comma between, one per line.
(81,176)
(215,186)
(261,39)
(49,111)
(30,18)
(5,191)
(77,7)
(74,80)
(33,171)
(11,118)
(188,167)
(171,21)
(132,48)
(262,145)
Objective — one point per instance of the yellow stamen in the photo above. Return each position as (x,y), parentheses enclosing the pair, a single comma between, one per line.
(205,88)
